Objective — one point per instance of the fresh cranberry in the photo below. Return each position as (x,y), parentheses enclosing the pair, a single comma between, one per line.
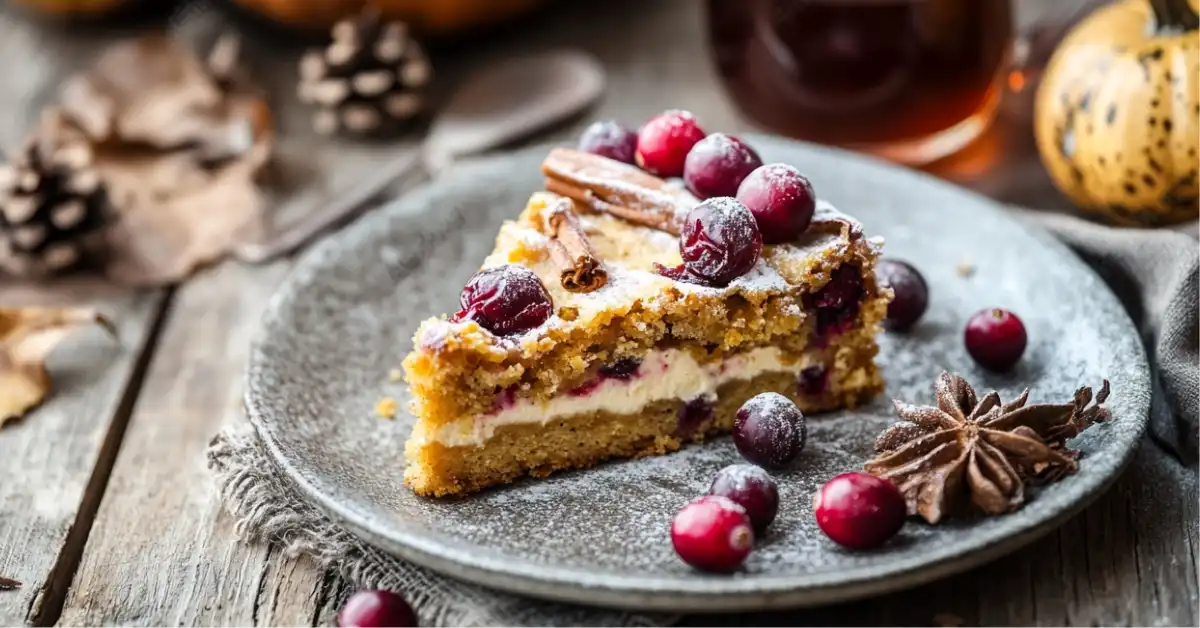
(837,303)
(719,241)
(995,338)
(368,609)
(912,293)
(769,430)
(609,138)
(712,533)
(663,142)
(859,510)
(813,381)
(781,199)
(624,368)
(751,488)
(505,300)
(717,164)
(693,414)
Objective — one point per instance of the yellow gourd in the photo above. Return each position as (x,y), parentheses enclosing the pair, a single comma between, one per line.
(1117,115)
(428,17)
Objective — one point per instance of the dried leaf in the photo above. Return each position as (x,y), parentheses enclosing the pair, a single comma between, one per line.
(179,143)
(27,336)
(175,217)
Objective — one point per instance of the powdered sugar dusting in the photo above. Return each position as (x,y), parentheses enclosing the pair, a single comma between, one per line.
(743,476)
(770,403)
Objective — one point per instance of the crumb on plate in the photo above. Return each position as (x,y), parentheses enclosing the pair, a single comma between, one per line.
(386,408)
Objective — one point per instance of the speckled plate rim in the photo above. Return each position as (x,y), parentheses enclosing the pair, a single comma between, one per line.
(717,593)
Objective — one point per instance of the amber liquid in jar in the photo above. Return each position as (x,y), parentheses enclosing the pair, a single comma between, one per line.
(912,80)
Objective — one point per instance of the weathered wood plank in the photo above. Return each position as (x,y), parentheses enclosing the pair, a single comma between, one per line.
(161,550)
(54,463)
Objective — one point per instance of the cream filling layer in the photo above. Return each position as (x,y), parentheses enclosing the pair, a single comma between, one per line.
(668,374)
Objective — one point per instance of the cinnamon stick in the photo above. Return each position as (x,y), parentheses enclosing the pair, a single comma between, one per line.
(580,268)
(606,186)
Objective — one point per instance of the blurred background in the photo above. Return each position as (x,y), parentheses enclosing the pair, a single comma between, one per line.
(274,109)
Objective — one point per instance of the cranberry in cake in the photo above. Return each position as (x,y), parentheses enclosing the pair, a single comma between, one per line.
(620,316)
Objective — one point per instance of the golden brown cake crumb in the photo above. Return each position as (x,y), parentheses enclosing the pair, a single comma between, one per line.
(387,407)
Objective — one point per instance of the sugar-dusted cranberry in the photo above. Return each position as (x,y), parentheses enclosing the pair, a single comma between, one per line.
(664,141)
(611,139)
(995,338)
(712,533)
(505,300)
(717,164)
(719,241)
(693,414)
(859,510)
(751,488)
(813,381)
(912,293)
(624,368)
(781,199)
(769,430)
(368,609)
(836,305)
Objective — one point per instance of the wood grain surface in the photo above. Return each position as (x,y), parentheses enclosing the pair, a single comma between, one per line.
(106,510)
(54,463)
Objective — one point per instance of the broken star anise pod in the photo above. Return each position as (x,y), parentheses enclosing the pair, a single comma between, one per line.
(978,454)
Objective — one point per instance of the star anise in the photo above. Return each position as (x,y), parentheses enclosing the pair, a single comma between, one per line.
(978,454)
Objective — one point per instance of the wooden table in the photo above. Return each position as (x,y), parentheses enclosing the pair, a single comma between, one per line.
(108,516)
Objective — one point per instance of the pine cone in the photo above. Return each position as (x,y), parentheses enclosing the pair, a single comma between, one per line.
(53,203)
(369,80)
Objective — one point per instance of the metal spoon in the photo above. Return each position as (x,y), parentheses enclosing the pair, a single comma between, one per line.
(499,104)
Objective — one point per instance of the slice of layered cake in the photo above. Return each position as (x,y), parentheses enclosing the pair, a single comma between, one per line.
(619,316)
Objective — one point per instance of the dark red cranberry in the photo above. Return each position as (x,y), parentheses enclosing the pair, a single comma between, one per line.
(712,533)
(368,609)
(751,488)
(769,430)
(717,165)
(813,381)
(505,300)
(995,338)
(624,368)
(664,141)
(693,414)
(719,241)
(859,510)
(781,199)
(609,138)
(836,304)
(912,293)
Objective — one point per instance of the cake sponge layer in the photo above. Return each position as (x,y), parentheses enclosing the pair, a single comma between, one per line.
(583,440)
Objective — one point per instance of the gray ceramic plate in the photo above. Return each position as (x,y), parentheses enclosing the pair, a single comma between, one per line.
(599,536)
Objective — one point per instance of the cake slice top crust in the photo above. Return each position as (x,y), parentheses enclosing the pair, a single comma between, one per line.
(599,265)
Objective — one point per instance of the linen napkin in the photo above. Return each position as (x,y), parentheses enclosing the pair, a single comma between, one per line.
(1153,272)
